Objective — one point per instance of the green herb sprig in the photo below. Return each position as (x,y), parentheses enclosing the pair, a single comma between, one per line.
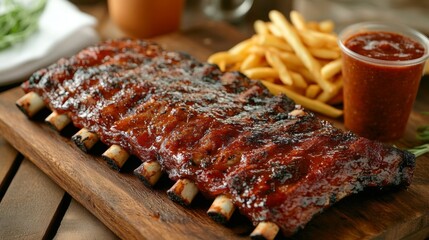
(17,21)
(423,133)
(419,150)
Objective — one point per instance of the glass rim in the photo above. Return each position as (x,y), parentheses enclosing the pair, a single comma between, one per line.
(387,27)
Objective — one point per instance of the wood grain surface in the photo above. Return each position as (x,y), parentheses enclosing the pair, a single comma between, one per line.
(34,208)
(77,217)
(8,165)
(133,211)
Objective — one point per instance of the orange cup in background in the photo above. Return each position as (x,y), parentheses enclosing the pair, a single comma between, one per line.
(146,18)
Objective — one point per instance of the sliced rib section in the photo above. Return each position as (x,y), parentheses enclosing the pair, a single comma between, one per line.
(276,162)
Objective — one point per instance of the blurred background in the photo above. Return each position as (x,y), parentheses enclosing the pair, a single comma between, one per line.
(413,13)
(88,21)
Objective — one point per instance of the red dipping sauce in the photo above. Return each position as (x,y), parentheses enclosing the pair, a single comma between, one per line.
(382,68)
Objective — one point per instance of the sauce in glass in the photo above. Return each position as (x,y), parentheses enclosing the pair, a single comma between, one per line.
(382,72)
(385,46)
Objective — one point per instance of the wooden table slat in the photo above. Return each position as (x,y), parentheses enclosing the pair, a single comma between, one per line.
(29,205)
(8,163)
(89,227)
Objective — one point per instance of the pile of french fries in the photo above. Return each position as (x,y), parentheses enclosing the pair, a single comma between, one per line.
(300,59)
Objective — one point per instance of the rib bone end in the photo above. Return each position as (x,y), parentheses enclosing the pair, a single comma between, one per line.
(58,121)
(222,209)
(115,156)
(85,139)
(30,104)
(149,172)
(183,192)
(265,230)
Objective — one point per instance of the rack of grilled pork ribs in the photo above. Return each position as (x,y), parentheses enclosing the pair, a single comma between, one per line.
(222,134)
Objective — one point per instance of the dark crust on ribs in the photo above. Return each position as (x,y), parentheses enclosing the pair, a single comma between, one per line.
(223,131)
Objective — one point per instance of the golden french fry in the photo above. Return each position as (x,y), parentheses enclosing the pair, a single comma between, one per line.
(285,77)
(273,41)
(306,74)
(273,60)
(309,40)
(261,28)
(290,59)
(308,103)
(312,91)
(217,57)
(251,61)
(274,30)
(331,69)
(298,80)
(222,65)
(235,67)
(337,99)
(277,64)
(256,49)
(298,20)
(241,47)
(312,25)
(301,51)
(273,80)
(326,26)
(223,57)
(326,96)
(324,53)
(329,40)
(261,73)
(290,35)
(225,60)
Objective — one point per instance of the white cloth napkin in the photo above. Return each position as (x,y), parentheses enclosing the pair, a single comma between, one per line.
(63,30)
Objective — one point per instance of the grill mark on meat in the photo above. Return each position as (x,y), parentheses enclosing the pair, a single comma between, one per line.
(223,131)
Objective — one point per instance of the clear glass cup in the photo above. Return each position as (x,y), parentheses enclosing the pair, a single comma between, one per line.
(228,10)
(379,94)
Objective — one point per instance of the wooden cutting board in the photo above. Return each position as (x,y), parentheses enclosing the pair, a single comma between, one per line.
(134,211)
